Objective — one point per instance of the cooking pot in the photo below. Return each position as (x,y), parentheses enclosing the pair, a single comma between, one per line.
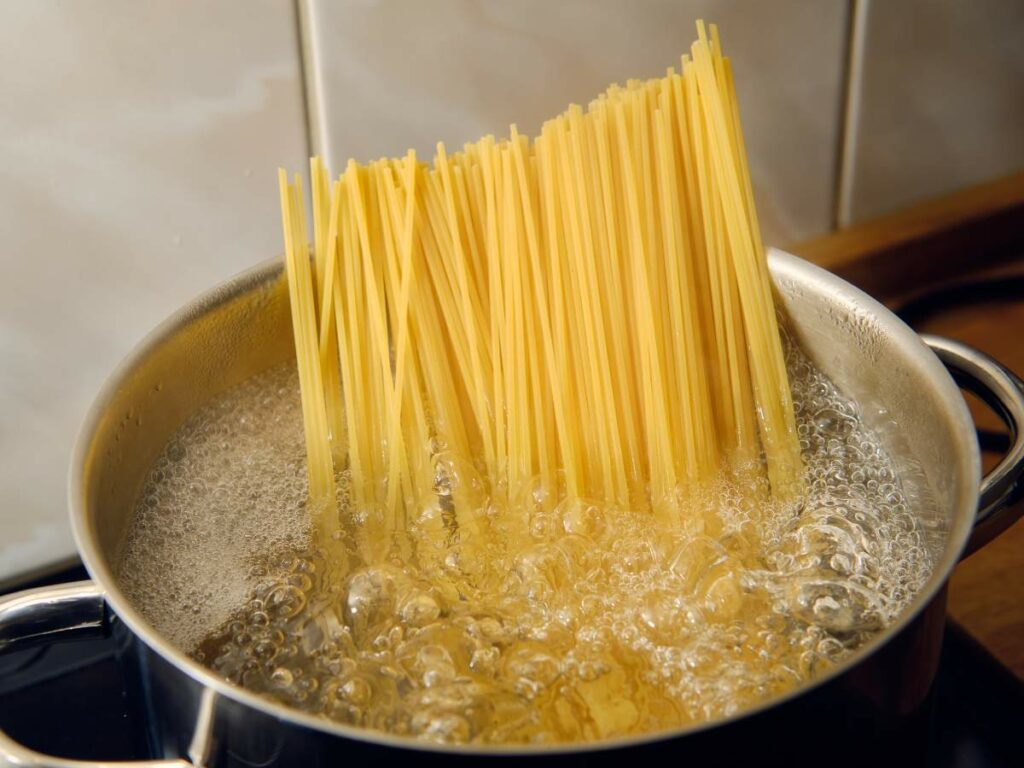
(872,706)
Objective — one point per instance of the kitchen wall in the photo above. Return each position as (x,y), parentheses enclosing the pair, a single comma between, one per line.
(138,144)
(936,101)
(138,150)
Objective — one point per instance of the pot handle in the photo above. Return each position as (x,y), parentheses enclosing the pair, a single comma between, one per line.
(48,615)
(1003,391)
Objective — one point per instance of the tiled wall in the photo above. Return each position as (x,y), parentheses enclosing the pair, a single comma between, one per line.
(138,143)
(937,100)
(397,74)
(138,148)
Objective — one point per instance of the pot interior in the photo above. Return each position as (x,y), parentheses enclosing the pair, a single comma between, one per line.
(904,394)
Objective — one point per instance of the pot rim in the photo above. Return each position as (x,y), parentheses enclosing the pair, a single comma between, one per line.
(782,265)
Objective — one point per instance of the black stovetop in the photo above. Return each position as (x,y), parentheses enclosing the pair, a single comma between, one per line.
(69,701)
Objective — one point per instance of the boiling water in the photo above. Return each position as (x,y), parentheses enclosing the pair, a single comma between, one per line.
(587,623)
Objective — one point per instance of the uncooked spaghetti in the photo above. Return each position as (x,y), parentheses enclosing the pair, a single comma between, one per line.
(589,310)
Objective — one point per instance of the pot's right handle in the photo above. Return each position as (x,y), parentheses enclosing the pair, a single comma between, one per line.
(51,614)
(1004,393)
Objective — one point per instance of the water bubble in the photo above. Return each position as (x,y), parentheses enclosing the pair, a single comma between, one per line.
(282,677)
(837,606)
(356,691)
(446,729)
(286,601)
(662,617)
(582,518)
(419,610)
(485,661)
(531,662)
(693,558)
(371,597)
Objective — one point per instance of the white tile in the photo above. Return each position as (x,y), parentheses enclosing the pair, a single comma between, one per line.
(138,150)
(394,74)
(941,101)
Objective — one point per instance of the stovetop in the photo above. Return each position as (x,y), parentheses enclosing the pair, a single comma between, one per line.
(69,701)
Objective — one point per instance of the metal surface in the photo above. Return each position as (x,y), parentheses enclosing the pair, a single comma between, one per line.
(51,614)
(17,756)
(905,395)
(1003,391)
(54,614)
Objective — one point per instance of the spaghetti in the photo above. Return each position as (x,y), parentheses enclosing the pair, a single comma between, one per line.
(589,311)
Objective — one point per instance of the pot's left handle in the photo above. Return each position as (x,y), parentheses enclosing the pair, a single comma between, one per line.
(49,615)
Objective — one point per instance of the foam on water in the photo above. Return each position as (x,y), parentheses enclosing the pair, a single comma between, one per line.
(229,487)
(565,623)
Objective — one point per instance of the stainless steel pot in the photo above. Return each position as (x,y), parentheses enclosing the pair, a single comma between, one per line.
(899,380)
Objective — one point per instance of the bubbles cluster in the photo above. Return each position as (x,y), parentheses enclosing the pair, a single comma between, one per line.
(229,487)
(566,621)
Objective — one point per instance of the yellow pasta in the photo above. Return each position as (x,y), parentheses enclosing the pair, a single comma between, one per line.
(587,314)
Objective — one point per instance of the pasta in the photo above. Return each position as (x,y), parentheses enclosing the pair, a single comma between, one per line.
(588,312)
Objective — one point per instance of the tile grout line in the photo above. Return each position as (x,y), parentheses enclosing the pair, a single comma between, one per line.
(309,74)
(850,112)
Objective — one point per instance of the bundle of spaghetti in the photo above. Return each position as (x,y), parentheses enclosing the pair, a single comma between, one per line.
(588,313)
